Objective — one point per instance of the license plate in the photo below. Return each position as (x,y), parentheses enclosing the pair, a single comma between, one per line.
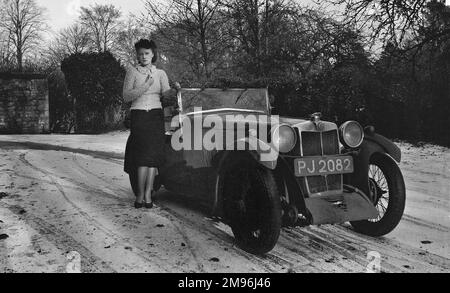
(317,166)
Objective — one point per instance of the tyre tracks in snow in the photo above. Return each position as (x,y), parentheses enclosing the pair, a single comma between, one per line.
(312,249)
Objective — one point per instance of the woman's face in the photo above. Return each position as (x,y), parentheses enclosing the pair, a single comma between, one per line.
(145,56)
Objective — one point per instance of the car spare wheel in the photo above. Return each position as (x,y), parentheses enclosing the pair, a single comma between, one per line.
(252,205)
(387,192)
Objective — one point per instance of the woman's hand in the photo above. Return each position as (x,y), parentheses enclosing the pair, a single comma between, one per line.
(149,81)
(170,98)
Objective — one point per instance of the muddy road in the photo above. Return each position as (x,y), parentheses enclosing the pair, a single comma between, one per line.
(57,203)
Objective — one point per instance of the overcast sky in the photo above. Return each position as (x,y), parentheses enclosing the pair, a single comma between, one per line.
(62,13)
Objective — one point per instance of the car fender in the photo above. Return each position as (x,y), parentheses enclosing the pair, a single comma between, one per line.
(265,154)
(371,145)
(256,148)
(387,145)
(219,162)
(287,183)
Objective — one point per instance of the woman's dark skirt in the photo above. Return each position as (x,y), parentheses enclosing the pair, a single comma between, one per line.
(145,146)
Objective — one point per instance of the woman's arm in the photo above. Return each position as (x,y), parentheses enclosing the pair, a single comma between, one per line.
(130,93)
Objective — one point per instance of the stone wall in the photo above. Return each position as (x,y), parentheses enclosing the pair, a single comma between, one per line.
(24,104)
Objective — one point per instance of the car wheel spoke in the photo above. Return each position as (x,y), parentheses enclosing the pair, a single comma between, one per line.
(380,189)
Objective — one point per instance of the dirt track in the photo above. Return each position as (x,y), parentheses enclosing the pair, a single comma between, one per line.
(54,202)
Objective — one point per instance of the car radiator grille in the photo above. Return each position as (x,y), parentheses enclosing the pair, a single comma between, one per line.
(321,144)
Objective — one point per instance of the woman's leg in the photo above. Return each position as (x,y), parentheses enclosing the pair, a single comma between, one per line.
(149,186)
(143,173)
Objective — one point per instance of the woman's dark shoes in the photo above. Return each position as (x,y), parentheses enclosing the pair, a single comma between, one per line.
(148,205)
(138,205)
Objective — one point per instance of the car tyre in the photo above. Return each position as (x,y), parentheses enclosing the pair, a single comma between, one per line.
(252,205)
(386,179)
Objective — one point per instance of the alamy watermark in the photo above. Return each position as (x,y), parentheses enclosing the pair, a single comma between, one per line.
(374,259)
(74,265)
(234,132)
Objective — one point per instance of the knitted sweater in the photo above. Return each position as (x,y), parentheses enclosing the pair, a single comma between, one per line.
(144,97)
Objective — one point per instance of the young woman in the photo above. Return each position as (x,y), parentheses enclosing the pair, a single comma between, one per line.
(144,86)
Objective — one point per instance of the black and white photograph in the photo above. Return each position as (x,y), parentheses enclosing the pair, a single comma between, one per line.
(199,137)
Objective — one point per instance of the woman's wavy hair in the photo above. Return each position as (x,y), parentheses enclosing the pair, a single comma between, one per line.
(147,44)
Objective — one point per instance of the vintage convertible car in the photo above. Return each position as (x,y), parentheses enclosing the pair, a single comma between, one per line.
(272,172)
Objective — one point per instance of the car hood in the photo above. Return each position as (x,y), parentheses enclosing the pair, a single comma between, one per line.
(250,117)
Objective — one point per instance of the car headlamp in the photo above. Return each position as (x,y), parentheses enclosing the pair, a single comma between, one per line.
(284,138)
(351,134)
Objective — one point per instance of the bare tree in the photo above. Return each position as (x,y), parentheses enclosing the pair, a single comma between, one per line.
(54,54)
(102,22)
(390,21)
(6,54)
(131,30)
(259,26)
(194,27)
(74,39)
(71,40)
(315,41)
(247,17)
(23,21)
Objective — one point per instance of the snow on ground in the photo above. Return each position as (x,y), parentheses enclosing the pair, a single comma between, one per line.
(423,232)
(113,142)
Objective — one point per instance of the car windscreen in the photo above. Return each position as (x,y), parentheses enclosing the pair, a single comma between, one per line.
(216,99)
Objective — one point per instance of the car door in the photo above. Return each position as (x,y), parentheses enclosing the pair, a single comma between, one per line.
(175,173)
(187,172)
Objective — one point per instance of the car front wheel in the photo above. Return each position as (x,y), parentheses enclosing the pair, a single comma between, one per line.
(252,205)
(387,192)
